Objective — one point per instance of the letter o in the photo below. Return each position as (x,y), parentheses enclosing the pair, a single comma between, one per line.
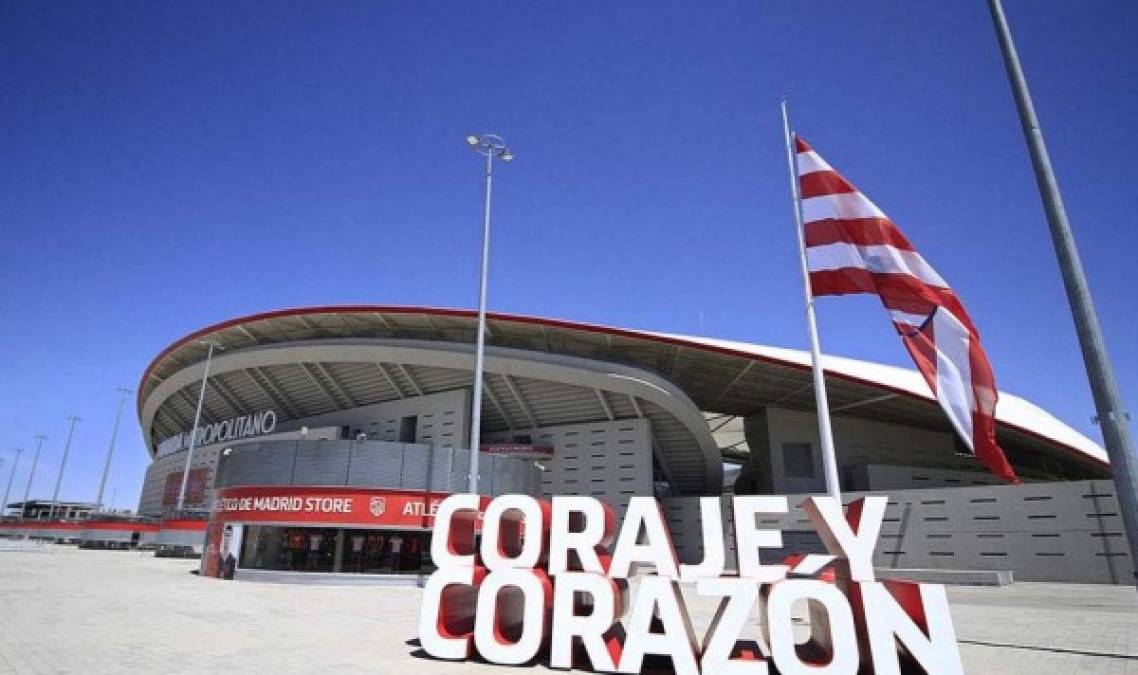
(494,614)
(840,639)
(501,533)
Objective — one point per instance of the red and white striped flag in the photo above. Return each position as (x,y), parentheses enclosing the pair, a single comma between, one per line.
(853,247)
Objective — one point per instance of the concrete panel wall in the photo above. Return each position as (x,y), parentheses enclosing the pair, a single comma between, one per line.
(924,458)
(1069,531)
(878,477)
(608,460)
(442,420)
(372,464)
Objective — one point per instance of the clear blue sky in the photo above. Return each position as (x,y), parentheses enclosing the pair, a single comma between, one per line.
(168,165)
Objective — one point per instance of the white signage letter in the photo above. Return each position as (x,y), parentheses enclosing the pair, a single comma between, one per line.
(852,534)
(831,627)
(606,602)
(657,549)
(713,554)
(446,612)
(933,645)
(582,525)
(452,542)
(739,598)
(661,598)
(749,538)
(503,542)
(497,615)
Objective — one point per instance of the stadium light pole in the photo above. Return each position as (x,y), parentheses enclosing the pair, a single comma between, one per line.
(124,392)
(62,465)
(489,146)
(197,420)
(40,438)
(15,463)
(1111,415)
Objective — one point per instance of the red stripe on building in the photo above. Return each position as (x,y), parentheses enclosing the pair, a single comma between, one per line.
(184,524)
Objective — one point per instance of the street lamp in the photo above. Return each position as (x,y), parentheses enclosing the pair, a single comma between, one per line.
(32,474)
(197,419)
(16,463)
(111,450)
(62,464)
(489,146)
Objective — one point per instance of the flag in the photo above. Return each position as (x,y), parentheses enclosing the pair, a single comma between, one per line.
(853,247)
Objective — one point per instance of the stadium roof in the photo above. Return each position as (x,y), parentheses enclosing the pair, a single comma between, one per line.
(720,376)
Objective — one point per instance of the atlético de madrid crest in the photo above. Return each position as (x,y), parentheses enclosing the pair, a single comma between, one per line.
(377,506)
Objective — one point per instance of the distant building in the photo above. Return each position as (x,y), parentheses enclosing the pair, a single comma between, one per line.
(41,509)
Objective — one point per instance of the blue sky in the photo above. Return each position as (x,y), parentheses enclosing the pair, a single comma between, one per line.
(168,165)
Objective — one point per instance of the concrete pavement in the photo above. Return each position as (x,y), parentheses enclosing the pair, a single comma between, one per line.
(63,610)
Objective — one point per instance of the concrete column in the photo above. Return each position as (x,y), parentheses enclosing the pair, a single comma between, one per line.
(338,558)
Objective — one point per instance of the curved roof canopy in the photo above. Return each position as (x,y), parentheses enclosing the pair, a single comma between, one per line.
(719,376)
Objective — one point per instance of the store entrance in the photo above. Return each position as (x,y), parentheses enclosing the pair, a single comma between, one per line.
(315,549)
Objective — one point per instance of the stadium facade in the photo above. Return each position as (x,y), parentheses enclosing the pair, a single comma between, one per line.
(329,434)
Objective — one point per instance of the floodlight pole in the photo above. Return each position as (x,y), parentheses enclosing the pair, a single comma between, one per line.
(111,450)
(194,429)
(62,464)
(1112,416)
(489,146)
(35,462)
(16,463)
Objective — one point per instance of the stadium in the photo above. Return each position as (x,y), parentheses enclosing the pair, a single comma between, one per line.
(329,433)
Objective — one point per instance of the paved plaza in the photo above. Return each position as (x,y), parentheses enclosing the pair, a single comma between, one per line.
(63,610)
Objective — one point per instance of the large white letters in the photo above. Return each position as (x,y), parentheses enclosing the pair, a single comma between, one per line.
(502,601)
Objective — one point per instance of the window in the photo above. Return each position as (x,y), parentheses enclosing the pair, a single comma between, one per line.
(407,428)
(306,549)
(798,460)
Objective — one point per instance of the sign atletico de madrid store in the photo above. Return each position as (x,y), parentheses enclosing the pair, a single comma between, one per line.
(319,529)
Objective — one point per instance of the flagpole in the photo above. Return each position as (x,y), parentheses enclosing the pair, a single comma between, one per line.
(1112,416)
(829,458)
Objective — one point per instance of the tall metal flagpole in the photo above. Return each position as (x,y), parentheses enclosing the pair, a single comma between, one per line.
(480,343)
(490,146)
(829,458)
(62,464)
(35,462)
(16,463)
(111,450)
(194,429)
(1112,417)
